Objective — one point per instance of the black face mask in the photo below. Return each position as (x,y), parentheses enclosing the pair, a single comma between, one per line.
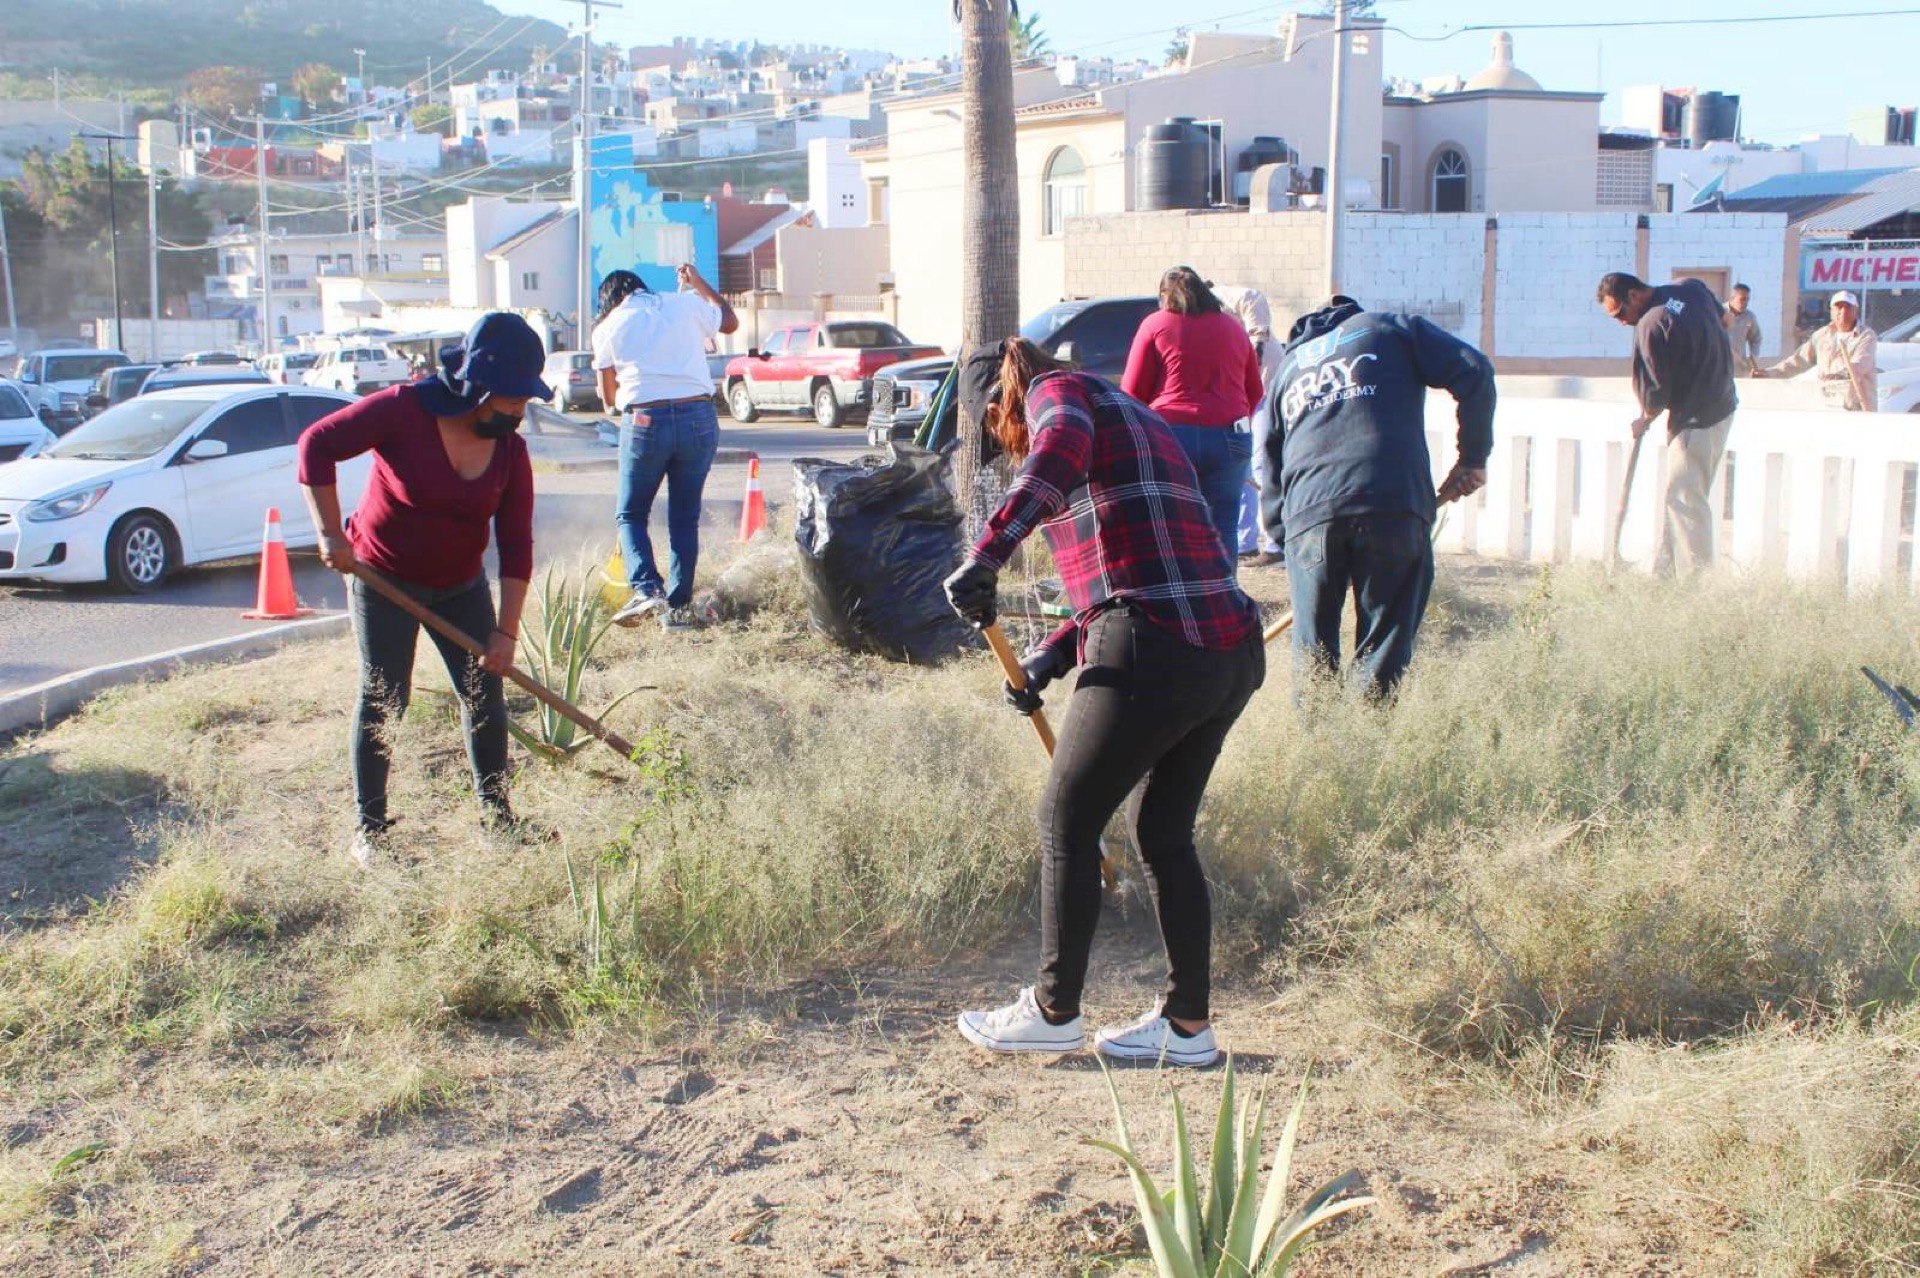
(488,424)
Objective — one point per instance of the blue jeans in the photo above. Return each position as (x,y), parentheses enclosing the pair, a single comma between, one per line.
(675,446)
(1387,561)
(1223,458)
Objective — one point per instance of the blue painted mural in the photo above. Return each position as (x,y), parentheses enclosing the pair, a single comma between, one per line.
(632,227)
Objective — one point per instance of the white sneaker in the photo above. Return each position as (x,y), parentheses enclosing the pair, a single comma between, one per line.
(1019,1027)
(1151,1038)
(361,850)
(638,606)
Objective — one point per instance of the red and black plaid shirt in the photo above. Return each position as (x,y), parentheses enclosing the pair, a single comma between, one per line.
(1121,508)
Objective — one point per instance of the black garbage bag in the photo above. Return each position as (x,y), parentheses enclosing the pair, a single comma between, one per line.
(876,538)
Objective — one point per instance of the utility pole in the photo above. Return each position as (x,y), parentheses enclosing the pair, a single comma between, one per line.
(1336,159)
(379,228)
(267,344)
(583,182)
(113,232)
(6,277)
(153,259)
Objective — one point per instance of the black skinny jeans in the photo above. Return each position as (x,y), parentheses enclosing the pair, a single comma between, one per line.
(1150,707)
(387,636)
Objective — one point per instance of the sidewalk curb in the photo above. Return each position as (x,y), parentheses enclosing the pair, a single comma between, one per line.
(47,703)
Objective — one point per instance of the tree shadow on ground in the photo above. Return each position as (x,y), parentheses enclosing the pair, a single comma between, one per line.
(70,836)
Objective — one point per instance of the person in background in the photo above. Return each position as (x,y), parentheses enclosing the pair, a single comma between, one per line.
(1846,352)
(650,350)
(1743,331)
(1250,307)
(1192,364)
(1352,481)
(1681,367)
(1169,652)
(448,466)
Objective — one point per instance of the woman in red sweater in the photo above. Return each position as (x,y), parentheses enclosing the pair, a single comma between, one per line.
(447,464)
(1193,364)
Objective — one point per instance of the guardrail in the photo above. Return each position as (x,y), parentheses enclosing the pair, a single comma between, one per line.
(1806,490)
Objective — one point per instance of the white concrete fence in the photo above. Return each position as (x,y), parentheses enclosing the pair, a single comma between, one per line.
(1807,490)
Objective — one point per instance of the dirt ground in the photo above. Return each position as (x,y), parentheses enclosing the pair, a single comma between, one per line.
(840,1126)
(843,1127)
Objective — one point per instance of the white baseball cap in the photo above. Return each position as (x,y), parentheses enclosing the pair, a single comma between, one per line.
(1844,296)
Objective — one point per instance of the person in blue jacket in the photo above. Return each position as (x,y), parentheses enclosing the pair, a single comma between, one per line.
(1350,483)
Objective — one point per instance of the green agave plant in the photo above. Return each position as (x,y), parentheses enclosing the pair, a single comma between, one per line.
(570,620)
(1228,1233)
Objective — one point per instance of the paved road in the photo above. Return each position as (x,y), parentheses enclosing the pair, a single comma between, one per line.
(47,632)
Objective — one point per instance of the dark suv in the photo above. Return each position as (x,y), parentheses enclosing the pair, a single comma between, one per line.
(1093,333)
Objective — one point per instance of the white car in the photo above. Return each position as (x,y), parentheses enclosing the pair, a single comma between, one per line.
(162,481)
(22,433)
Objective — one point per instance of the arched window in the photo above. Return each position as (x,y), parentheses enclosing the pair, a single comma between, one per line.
(1450,180)
(1064,190)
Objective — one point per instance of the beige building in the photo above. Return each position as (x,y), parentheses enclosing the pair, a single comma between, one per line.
(1493,143)
(1076,152)
(1500,143)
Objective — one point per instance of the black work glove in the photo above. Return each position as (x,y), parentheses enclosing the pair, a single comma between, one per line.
(972,591)
(1041,667)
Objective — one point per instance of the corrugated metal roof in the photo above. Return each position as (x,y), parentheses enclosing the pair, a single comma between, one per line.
(1888,197)
(1830,183)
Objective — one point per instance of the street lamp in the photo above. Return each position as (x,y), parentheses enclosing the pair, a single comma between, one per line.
(113,226)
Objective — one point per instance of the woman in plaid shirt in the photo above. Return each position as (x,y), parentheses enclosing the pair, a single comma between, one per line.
(1170,653)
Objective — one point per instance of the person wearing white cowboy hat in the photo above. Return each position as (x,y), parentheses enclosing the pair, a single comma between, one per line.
(1845,352)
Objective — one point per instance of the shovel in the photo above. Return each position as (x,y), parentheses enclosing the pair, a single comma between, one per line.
(439,625)
(1626,491)
(1010,664)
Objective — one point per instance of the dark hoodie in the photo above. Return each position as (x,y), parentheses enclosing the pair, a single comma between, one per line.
(1349,430)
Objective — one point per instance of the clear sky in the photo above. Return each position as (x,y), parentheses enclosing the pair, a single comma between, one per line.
(1793,78)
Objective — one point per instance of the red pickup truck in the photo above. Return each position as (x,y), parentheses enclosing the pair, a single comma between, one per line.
(823,368)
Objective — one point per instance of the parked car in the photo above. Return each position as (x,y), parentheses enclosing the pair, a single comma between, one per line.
(200,359)
(287,368)
(161,379)
(162,481)
(359,370)
(825,368)
(902,394)
(576,386)
(115,386)
(1094,334)
(22,433)
(60,379)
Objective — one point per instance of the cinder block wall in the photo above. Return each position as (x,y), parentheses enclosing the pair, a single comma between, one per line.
(1539,294)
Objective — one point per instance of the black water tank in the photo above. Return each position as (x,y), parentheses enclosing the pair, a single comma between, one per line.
(1712,117)
(1261,152)
(1172,167)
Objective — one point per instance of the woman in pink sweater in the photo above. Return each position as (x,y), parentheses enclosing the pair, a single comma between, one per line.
(1193,365)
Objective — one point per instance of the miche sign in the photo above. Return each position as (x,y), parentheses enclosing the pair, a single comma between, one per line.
(1872,269)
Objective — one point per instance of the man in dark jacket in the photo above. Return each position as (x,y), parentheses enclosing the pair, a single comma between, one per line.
(1683,367)
(1350,488)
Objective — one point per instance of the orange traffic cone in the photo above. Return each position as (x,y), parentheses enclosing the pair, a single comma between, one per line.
(276,600)
(753,511)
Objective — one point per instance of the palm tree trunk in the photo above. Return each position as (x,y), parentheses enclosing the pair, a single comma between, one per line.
(990,202)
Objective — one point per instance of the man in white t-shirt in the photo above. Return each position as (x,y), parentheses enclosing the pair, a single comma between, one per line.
(650,350)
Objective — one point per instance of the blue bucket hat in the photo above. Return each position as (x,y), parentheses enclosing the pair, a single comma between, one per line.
(501,355)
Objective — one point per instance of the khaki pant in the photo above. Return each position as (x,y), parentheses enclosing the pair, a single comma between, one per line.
(1693,458)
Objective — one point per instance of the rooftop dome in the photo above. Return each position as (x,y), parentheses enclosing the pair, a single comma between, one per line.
(1501,73)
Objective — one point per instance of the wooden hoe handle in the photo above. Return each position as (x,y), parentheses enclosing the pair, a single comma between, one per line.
(1010,664)
(439,625)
